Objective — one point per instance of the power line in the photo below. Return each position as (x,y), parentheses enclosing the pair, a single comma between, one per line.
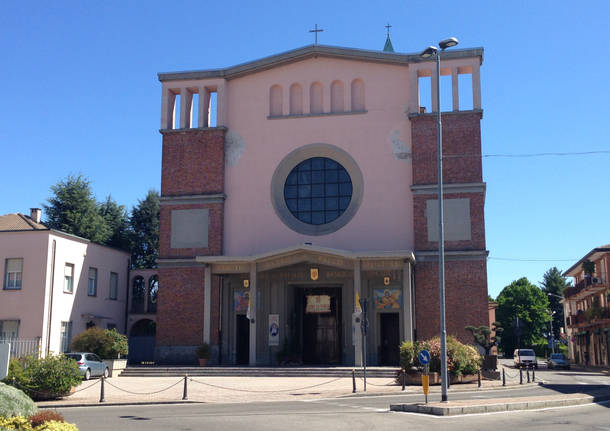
(483,156)
(517,259)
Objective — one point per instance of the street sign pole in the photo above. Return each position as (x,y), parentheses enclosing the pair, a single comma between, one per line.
(424,359)
(364,326)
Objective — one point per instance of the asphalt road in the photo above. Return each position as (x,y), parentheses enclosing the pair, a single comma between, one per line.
(357,413)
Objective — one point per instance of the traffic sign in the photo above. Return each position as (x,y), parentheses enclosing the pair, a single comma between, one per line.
(424,357)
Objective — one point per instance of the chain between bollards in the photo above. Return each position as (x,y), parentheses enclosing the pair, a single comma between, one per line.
(353,381)
(185,391)
(403,377)
(503,377)
(102,399)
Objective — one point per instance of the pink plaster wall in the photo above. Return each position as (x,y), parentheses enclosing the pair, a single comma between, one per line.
(251,224)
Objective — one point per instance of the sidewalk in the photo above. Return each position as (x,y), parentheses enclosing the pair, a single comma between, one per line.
(151,390)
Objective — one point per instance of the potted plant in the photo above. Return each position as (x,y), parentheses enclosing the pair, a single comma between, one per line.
(203,353)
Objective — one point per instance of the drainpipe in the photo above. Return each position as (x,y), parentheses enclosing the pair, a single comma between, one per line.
(53,248)
(127,297)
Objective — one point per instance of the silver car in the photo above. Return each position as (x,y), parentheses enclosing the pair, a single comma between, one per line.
(558,360)
(89,364)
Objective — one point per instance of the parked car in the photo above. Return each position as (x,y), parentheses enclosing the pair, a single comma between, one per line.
(558,360)
(89,364)
(525,358)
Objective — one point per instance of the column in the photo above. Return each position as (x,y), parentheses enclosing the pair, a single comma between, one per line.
(253,317)
(455,93)
(221,105)
(413,91)
(476,86)
(357,332)
(204,107)
(306,99)
(433,85)
(186,108)
(207,304)
(168,100)
(407,317)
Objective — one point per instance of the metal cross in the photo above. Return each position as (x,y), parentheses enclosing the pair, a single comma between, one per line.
(315,31)
(388,27)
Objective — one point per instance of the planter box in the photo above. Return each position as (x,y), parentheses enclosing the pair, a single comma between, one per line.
(115,366)
(435,379)
(490,362)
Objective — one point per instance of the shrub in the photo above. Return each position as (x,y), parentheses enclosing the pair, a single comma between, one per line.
(21,423)
(461,358)
(14,402)
(44,378)
(104,343)
(45,416)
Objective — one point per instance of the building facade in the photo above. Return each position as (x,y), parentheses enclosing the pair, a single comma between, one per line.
(296,185)
(586,309)
(56,285)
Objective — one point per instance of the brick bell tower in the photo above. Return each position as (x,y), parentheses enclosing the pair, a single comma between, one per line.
(191,224)
(463,198)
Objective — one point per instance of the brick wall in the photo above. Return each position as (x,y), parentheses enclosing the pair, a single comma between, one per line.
(466,300)
(193,162)
(461,136)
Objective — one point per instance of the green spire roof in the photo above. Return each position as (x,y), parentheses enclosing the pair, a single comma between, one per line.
(388,45)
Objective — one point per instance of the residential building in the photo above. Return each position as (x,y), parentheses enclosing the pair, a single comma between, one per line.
(55,285)
(296,185)
(586,309)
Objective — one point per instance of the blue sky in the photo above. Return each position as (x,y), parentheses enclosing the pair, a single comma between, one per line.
(80,95)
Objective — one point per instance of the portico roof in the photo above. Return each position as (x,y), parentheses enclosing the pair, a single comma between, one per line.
(307,253)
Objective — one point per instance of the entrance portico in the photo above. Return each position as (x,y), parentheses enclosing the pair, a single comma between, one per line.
(307,295)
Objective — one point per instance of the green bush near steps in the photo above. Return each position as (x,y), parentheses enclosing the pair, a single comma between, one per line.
(462,359)
(44,378)
(14,402)
(106,343)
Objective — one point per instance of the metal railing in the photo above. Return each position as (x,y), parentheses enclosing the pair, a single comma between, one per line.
(22,346)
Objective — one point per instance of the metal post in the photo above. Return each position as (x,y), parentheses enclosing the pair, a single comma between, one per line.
(441,233)
(533,374)
(353,381)
(479,378)
(528,374)
(185,391)
(102,399)
(520,376)
(403,377)
(503,377)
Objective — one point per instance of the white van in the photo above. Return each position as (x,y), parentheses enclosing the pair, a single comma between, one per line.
(525,358)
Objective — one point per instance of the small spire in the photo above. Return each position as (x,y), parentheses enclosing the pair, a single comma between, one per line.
(388,43)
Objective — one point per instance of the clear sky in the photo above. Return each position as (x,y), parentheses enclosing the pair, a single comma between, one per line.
(80,95)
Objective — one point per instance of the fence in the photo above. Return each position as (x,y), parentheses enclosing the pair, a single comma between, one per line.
(22,346)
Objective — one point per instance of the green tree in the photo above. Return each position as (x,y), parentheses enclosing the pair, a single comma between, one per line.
(523,313)
(117,221)
(553,284)
(145,231)
(73,209)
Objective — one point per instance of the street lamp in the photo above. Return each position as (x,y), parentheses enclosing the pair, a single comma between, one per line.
(427,53)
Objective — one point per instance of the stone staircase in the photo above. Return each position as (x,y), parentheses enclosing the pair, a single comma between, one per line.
(330,372)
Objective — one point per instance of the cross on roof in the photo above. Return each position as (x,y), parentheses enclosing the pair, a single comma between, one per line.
(315,31)
(388,27)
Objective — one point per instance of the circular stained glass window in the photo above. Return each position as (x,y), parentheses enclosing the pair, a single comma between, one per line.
(318,190)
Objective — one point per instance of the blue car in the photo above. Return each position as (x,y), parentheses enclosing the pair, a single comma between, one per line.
(89,364)
(558,360)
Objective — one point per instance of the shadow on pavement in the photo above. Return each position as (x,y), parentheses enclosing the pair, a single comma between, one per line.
(599,392)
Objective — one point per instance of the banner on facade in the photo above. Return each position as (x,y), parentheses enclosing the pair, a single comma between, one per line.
(274,330)
(387,299)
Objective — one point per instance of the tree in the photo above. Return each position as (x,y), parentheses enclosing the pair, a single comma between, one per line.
(482,336)
(523,313)
(145,231)
(73,209)
(117,221)
(553,284)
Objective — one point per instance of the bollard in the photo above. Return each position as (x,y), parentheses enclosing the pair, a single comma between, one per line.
(479,378)
(528,374)
(503,377)
(520,376)
(102,399)
(403,377)
(185,391)
(353,381)
(533,374)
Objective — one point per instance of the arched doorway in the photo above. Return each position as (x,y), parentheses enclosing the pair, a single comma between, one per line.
(142,341)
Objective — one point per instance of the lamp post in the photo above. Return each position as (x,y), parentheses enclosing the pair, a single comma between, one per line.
(427,53)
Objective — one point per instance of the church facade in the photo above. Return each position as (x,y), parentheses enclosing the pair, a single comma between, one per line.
(295,185)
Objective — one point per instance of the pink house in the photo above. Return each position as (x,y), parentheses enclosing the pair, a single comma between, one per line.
(55,285)
(297,184)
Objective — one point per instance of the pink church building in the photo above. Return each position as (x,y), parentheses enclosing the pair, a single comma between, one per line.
(296,184)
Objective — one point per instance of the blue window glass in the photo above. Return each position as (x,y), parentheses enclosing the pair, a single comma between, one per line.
(318,190)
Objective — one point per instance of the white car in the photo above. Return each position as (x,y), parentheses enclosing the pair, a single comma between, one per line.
(525,358)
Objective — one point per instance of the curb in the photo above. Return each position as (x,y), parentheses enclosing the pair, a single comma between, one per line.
(497,406)
(414,390)
(42,405)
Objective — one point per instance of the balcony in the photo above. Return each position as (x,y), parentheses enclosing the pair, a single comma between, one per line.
(591,316)
(585,287)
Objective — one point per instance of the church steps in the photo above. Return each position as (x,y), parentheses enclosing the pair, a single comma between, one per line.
(375,372)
